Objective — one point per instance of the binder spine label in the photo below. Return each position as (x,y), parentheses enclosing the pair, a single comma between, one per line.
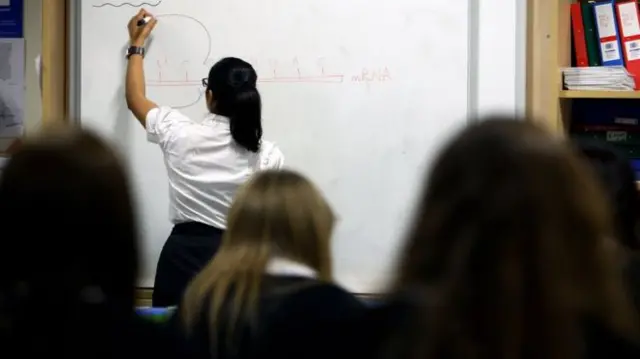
(629,19)
(630,27)
(605,19)
(610,50)
(633,50)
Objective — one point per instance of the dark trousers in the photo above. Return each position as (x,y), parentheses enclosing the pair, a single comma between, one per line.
(185,253)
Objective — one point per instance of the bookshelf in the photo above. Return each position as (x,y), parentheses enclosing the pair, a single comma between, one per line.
(548,51)
(629,95)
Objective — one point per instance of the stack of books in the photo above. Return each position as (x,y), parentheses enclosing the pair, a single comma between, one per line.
(601,78)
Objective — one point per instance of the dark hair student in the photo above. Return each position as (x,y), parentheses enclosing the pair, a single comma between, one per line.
(69,256)
(616,176)
(206,159)
(510,254)
(614,172)
(65,198)
(232,83)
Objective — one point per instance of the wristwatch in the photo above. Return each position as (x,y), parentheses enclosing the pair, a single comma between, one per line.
(135,50)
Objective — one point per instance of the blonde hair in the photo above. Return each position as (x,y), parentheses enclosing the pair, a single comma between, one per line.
(275,214)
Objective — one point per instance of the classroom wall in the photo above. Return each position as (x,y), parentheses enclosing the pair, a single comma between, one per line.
(33,46)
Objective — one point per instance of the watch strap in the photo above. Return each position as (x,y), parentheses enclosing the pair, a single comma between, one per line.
(135,50)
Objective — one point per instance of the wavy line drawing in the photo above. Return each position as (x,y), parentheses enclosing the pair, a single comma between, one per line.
(150,4)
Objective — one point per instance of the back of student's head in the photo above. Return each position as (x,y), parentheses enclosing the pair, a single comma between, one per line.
(510,245)
(232,92)
(69,251)
(616,175)
(276,214)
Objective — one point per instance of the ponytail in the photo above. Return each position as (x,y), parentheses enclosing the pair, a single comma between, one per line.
(232,83)
(246,119)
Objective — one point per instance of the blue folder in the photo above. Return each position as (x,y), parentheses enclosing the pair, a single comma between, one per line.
(605,16)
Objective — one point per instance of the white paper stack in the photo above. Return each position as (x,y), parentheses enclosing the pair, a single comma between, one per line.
(599,78)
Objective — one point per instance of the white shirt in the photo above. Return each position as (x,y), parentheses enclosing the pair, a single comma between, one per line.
(285,267)
(204,164)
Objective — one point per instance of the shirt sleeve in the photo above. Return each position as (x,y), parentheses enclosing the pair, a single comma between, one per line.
(165,124)
(271,157)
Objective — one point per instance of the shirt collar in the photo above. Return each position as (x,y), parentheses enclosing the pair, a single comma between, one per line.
(216,118)
(287,267)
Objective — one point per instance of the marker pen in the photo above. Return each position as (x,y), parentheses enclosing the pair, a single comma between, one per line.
(144,21)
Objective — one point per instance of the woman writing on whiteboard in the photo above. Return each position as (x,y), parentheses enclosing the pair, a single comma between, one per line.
(206,160)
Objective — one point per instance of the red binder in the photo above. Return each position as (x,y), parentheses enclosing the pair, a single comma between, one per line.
(579,42)
(629,20)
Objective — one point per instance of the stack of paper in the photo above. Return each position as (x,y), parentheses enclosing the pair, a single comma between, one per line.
(600,78)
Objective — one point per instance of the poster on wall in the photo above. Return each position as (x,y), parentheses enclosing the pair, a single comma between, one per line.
(12,75)
(11,87)
(11,19)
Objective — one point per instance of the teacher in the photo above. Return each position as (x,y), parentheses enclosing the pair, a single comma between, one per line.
(206,160)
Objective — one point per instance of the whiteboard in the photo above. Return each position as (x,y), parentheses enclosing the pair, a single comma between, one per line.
(358,94)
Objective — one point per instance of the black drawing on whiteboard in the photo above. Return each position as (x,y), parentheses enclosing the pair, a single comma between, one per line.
(150,4)
(166,74)
(204,28)
(200,94)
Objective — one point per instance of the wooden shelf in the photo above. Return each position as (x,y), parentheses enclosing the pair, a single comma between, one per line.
(629,95)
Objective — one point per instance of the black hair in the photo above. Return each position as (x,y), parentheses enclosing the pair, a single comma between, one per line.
(232,83)
(617,177)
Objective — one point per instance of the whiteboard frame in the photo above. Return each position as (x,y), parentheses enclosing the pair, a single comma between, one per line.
(521,57)
(74,39)
(473,63)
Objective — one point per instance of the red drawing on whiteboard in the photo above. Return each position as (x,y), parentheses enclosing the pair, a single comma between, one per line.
(372,75)
(280,79)
(278,73)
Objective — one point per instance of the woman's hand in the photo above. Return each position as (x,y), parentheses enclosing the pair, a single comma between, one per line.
(139,34)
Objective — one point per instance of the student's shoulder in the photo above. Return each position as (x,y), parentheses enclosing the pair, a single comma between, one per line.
(308,318)
(271,157)
(310,298)
(164,112)
(165,115)
(325,291)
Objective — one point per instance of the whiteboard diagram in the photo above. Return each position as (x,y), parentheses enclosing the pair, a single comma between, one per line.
(168,70)
(171,69)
